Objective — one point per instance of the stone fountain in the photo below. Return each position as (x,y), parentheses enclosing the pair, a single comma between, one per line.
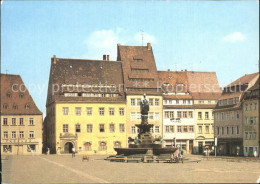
(144,144)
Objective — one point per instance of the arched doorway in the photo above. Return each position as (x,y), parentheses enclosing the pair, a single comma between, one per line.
(68,147)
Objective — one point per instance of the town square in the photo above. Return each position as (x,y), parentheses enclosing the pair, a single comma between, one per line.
(130,92)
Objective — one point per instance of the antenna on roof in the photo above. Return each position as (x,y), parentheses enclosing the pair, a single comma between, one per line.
(142,36)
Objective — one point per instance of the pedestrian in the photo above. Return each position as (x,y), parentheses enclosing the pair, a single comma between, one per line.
(73,152)
(172,157)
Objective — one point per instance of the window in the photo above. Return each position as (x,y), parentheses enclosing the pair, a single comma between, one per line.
(237,129)
(156,103)
(65,128)
(138,115)
(102,146)
(13,135)
(89,111)
(206,115)
(8,95)
(179,114)
(87,146)
(222,130)
(77,128)
(237,115)
(185,129)
(138,101)
(78,111)
(166,114)
(133,129)
(232,115)
(201,101)
(31,148)
(190,114)
(207,129)
(184,114)
(209,101)
(167,129)
(246,107)
(178,128)
(21,121)
(65,110)
(21,134)
(5,135)
(222,116)
(89,128)
(177,101)
(27,106)
(151,101)
(227,115)
(132,115)
(157,129)
(132,102)
(21,95)
(218,130)
(111,111)
(255,105)
(117,144)
(121,111)
(15,106)
(200,115)
(200,129)
(184,101)
(31,121)
(13,121)
(121,128)
(101,111)
(31,134)
(191,128)
(5,106)
(156,115)
(111,127)
(103,95)
(151,115)
(111,95)
(5,121)
(101,128)
(232,130)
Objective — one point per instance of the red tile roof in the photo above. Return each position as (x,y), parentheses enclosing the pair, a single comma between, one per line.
(139,67)
(15,97)
(85,72)
(243,80)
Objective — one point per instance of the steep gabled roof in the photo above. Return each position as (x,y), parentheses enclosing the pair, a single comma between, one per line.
(89,76)
(139,68)
(15,97)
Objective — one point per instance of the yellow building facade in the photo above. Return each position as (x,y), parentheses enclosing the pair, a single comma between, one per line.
(92,128)
(204,125)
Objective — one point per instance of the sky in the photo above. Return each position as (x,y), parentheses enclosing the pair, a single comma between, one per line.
(215,36)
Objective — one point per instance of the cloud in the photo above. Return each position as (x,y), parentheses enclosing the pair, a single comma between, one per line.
(105,42)
(234,37)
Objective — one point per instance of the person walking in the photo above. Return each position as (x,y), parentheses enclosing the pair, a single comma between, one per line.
(73,152)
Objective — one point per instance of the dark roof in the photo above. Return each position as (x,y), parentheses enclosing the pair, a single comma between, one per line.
(15,96)
(94,74)
(139,68)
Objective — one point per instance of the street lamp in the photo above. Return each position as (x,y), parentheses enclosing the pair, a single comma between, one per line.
(174,120)
(216,144)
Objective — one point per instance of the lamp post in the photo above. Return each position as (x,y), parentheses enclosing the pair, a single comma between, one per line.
(174,120)
(216,144)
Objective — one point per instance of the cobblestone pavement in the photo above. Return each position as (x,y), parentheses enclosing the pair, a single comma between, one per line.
(65,169)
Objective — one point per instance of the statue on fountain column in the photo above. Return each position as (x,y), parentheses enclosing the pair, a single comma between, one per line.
(144,110)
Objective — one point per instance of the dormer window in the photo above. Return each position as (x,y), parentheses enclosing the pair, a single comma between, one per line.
(27,106)
(21,95)
(15,106)
(180,84)
(9,95)
(5,106)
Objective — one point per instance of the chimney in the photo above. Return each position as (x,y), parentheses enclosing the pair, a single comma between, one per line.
(169,70)
(54,59)
(149,47)
(107,57)
(104,57)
